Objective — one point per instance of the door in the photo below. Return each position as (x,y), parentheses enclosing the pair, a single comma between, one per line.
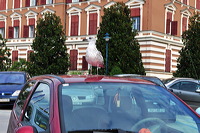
(15,116)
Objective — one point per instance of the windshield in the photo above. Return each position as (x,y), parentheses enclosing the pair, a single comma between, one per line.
(105,107)
(12,78)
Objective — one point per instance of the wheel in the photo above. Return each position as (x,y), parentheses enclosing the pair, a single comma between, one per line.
(147,123)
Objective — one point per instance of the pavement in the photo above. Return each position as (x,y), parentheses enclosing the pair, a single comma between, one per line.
(4,119)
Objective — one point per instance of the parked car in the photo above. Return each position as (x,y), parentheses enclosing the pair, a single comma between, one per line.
(100,104)
(153,79)
(11,83)
(187,89)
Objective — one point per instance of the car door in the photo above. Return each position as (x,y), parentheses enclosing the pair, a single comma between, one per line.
(188,93)
(37,110)
(19,105)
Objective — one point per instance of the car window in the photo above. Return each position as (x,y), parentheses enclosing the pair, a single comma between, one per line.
(189,86)
(176,86)
(89,106)
(23,96)
(12,78)
(37,111)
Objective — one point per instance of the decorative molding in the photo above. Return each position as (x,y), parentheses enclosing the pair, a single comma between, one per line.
(47,11)
(92,8)
(74,10)
(15,15)
(31,14)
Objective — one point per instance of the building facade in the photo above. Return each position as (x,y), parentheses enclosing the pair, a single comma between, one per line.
(160,24)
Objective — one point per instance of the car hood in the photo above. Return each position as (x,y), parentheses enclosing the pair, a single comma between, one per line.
(10,87)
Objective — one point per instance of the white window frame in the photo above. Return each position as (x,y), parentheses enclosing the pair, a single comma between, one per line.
(136,24)
(49,1)
(31,30)
(2,32)
(32,2)
(16,32)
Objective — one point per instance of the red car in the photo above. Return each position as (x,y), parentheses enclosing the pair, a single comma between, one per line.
(99,104)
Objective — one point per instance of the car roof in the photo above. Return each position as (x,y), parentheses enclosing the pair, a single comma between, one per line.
(9,72)
(134,75)
(90,78)
(149,78)
(174,80)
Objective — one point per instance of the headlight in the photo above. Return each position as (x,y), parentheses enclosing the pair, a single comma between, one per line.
(16,93)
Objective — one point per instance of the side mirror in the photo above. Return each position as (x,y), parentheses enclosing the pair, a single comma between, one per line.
(198,110)
(26,129)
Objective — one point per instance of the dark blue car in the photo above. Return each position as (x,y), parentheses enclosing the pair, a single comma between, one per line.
(11,83)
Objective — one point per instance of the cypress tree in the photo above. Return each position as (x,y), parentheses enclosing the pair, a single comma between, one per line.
(50,52)
(123,48)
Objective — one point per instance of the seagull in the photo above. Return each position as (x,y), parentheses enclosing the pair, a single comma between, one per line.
(93,56)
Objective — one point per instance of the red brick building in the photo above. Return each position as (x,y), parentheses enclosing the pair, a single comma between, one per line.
(160,24)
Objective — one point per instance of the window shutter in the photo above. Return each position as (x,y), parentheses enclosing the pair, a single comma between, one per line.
(93,23)
(168,60)
(43,2)
(184,24)
(135,12)
(68,1)
(16,23)
(185,2)
(17,4)
(198,4)
(31,21)
(27,3)
(14,55)
(28,54)
(2,4)
(84,64)
(2,24)
(168,22)
(26,31)
(174,28)
(74,25)
(168,26)
(73,59)
(10,32)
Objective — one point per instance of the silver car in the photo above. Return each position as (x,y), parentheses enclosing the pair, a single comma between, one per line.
(187,89)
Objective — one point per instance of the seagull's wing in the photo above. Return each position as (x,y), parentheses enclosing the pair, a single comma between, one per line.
(100,59)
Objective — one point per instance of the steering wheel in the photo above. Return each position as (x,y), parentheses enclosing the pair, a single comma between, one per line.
(153,121)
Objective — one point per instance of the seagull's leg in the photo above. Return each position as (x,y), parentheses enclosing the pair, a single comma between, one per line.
(91,69)
(97,69)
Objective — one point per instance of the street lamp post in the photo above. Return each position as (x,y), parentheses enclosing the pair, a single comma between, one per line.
(107,39)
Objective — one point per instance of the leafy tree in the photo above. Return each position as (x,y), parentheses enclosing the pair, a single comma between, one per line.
(50,52)
(5,61)
(189,59)
(116,70)
(20,65)
(123,48)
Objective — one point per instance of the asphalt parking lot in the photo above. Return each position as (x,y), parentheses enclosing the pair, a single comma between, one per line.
(4,118)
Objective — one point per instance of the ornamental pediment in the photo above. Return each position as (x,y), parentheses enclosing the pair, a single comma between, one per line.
(92,8)
(2,17)
(134,3)
(186,12)
(15,15)
(47,11)
(74,10)
(110,4)
(31,13)
(170,6)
